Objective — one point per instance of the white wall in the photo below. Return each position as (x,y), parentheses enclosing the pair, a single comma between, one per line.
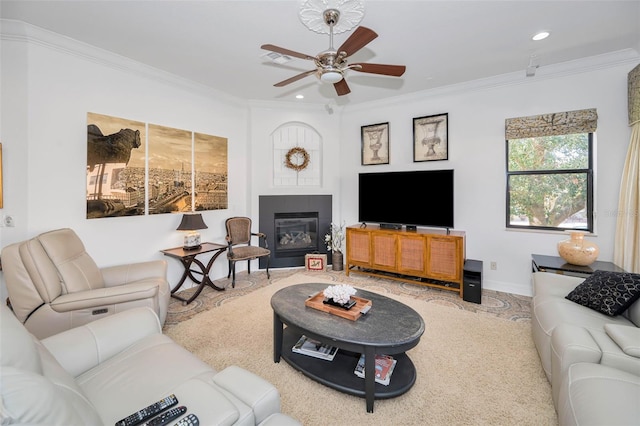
(267,117)
(49,83)
(48,86)
(477,112)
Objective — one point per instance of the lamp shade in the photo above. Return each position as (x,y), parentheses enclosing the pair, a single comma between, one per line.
(191,222)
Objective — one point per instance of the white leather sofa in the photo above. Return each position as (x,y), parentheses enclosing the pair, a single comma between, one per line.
(54,285)
(566,333)
(102,372)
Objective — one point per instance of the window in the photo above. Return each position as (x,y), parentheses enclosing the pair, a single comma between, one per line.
(550,171)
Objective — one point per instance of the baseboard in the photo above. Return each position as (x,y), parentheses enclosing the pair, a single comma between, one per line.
(506,287)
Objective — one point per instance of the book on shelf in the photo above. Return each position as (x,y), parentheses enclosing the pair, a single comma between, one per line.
(384,368)
(314,348)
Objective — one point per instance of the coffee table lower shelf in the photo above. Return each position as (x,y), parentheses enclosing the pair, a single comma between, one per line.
(338,374)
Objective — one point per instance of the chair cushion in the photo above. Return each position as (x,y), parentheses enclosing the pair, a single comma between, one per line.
(608,292)
(77,270)
(239,230)
(248,252)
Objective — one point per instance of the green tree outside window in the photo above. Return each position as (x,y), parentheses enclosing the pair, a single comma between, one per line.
(549,182)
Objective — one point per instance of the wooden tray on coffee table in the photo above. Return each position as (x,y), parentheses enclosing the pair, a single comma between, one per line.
(316,302)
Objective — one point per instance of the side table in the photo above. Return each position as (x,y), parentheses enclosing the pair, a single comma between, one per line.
(542,263)
(188,258)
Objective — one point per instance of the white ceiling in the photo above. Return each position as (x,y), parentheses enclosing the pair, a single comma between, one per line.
(217,43)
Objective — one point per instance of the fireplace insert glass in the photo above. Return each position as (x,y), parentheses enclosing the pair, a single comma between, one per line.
(296,233)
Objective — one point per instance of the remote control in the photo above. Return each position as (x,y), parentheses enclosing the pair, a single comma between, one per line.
(167,416)
(148,412)
(190,420)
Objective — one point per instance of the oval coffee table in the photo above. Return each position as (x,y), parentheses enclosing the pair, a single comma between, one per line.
(389,328)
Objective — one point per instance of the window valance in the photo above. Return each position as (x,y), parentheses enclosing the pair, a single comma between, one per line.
(634,95)
(558,123)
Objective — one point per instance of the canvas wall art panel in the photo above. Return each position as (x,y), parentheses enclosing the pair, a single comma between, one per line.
(115,172)
(210,172)
(170,170)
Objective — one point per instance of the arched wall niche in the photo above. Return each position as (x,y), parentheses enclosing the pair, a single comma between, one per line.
(291,135)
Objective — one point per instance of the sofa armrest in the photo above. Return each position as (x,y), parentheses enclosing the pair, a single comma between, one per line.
(261,396)
(82,348)
(104,296)
(570,344)
(626,337)
(594,394)
(124,274)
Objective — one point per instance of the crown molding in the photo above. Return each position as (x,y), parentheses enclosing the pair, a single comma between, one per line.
(578,66)
(18,31)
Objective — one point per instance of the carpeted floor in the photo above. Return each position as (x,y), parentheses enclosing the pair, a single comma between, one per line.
(494,303)
(476,364)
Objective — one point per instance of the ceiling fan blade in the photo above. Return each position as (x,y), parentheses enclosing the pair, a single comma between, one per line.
(295,78)
(287,52)
(359,39)
(342,88)
(392,70)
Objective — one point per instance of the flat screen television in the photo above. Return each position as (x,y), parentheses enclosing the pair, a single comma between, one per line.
(411,198)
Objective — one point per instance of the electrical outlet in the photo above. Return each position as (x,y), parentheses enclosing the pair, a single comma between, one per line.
(8,221)
(494,266)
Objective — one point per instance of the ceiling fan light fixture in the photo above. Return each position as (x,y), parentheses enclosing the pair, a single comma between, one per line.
(331,76)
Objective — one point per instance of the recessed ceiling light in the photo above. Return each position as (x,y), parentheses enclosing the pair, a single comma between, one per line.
(299,96)
(540,36)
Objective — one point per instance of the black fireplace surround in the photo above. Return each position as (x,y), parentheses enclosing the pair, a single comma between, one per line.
(295,225)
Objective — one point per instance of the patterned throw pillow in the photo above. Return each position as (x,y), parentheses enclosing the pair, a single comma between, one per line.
(608,292)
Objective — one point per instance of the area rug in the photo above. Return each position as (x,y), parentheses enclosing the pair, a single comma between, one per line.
(472,368)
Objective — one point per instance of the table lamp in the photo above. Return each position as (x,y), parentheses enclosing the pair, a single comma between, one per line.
(191,222)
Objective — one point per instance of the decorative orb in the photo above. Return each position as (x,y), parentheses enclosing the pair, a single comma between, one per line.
(578,251)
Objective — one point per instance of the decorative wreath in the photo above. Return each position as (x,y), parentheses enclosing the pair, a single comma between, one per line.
(293,152)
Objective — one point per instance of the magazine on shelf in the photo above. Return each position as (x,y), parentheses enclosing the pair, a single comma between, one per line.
(384,368)
(314,348)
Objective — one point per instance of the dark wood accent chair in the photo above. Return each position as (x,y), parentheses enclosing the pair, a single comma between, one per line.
(239,237)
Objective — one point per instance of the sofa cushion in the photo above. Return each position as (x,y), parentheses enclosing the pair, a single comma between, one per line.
(608,292)
(30,398)
(627,338)
(21,353)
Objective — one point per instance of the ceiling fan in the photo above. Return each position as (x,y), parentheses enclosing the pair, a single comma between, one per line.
(331,64)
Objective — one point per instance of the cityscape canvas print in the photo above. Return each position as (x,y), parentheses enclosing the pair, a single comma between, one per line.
(169,170)
(115,166)
(183,170)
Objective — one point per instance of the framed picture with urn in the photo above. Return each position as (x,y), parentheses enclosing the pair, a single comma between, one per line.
(431,138)
(375,144)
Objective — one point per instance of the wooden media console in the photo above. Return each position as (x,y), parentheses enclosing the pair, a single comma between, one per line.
(428,257)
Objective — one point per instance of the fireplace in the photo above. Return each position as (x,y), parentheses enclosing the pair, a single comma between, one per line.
(295,225)
(295,233)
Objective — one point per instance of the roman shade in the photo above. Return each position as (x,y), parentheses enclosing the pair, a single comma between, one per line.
(557,123)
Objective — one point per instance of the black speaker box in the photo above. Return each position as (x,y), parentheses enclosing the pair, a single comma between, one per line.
(472,281)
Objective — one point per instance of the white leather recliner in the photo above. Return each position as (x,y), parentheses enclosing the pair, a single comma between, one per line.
(54,285)
(108,369)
